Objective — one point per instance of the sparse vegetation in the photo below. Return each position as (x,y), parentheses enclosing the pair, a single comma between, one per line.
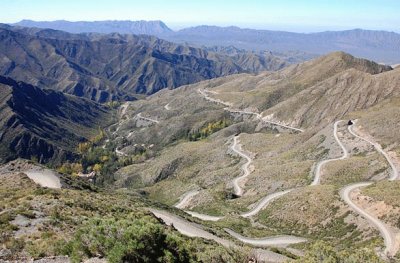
(322,252)
(84,224)
(209,129)
(130,239)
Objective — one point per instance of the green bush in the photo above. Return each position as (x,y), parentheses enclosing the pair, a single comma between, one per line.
(321,252)
(128,240)
(208,129)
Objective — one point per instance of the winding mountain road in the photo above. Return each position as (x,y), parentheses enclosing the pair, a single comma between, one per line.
(185,199)
(205,217)
(391,244)
(188,228)
(345,155)
(268,241)
(205,95)
(124,108)
(145,118)
(264,202)
(389,236)
(395,173)
(260,205)
(120,153)
(236,147)
(229,108)
(194,230)
(265,119)
(245,167)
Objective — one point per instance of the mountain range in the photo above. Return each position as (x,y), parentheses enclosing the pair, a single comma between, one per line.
(272,134)
(105,27)
(307,95)
(380,46)
(105,67)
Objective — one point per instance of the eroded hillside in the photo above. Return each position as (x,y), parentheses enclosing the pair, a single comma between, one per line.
(301,164)
(284,140)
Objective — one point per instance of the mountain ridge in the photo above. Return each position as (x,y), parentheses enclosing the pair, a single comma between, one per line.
(44,124)
(114,66)
(106,26)
(377,45)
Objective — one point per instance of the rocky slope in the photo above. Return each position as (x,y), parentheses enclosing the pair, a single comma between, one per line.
(308,95)
(311,93)
(67,225)
(44,125)
(180,153)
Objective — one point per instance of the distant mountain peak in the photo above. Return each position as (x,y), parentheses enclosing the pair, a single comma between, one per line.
(140,27)
(345,60)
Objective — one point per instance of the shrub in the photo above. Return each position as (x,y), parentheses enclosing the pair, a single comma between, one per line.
(209,129)
(128,240)
(321,252)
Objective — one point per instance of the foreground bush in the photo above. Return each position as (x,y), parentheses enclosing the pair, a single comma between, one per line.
(128,240)
(321,252)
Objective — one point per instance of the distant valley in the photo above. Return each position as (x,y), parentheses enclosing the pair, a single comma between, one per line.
(116,67)
(380,46)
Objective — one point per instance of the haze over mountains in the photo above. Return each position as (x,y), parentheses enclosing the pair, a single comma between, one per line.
(105,27)
(380,46)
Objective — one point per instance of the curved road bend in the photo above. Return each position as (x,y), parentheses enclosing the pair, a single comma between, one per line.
(120,153)
(124,108)
(282,125)
(258,207)
(188,228)
(238,190)
(194,230)
(185,199)
(344,156)
(269,241)
(147,119)
(204,217)
(204,94)
(264,202)
(388,236)
(258,115)
(245,167)
(378,147)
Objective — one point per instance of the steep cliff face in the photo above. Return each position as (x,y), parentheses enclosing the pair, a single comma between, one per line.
(44,124)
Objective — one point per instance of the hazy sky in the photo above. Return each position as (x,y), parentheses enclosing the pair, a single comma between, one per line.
(293,15)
